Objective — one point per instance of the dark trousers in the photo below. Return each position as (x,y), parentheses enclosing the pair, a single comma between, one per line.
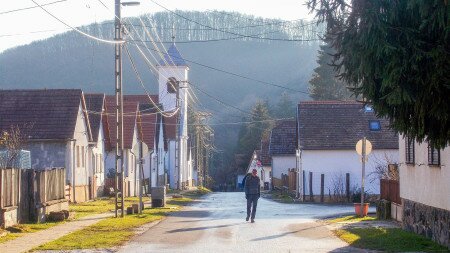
(252,202)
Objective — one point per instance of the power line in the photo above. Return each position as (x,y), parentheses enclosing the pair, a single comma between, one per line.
(77,30)
(231,73)
(31,7)
(221,30)
(220,101)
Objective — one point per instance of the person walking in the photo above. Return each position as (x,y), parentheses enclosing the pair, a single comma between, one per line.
(252,193)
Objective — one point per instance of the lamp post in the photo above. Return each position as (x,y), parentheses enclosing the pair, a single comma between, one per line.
(119,186)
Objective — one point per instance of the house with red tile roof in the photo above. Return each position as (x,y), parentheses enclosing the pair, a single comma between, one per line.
(132,132)
(96,109)
(58,132)
(327,135)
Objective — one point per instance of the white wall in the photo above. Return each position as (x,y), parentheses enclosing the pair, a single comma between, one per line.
(98,161)
(165,72)
(170,163)
(419,182)
(281,165)
(81,140)
(336,163)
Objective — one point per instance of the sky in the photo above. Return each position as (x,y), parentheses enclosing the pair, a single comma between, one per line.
(24,26)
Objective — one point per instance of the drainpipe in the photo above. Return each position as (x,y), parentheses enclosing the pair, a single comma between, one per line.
(73,168)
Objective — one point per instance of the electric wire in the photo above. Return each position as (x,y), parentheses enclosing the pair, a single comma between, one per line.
(76,29)
(32,7)
(222,30)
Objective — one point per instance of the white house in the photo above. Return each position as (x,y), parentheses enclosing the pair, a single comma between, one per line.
(261,161)
(282,148)
(132,132)
(58,131)
(327,134)
(95,104)
(173,83)
(425,189)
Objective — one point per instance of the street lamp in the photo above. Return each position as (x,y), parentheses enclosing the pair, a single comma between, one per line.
(119,164)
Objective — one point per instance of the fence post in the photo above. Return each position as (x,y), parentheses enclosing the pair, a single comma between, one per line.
(347,186)
(322,186)
(311,197)
(2,197)
(304,185)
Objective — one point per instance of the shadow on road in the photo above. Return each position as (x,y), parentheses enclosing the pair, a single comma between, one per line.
(201,228)
(190,214)
(314,231)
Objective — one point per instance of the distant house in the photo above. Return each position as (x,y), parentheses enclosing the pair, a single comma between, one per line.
(282,149)
(58,131)
(150,133)
(425,189)
(132,133)
(327,134)
(261,161)
(95,104)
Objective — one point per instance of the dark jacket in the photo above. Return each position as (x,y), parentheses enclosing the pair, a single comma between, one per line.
(252,185)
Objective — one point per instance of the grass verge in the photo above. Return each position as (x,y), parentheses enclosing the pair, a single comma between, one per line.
(388,239)
(22,229)
(352,218)
(112,232)
(102,205)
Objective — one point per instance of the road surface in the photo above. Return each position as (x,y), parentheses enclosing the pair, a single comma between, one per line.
(217,224)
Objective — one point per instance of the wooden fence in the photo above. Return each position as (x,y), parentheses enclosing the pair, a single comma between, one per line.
(29,189)
(390,190)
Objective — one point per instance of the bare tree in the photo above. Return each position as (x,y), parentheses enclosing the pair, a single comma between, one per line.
(12,142)
(337,188)
(386,168)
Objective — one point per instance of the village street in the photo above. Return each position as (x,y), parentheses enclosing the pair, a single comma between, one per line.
(217,224)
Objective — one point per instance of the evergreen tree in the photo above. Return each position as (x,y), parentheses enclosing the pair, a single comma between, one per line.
(324,85)
(285,108)
(396,54)
(251,134)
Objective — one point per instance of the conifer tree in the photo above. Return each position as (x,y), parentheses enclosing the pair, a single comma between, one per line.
(396,55)
(324,85)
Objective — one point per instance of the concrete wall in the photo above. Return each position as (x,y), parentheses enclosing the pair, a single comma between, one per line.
(336,163)
(419,182)
(281,165)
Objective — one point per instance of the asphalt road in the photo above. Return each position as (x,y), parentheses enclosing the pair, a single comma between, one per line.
(217,224)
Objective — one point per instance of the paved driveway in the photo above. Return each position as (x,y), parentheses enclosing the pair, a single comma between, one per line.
(217,224)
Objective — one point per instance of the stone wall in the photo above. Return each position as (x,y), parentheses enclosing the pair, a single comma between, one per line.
(428,221)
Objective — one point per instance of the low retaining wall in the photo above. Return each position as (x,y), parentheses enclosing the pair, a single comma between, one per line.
(51,206)
(9,216)
(428,221)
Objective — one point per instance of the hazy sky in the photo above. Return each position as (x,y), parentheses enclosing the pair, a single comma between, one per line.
(25,26)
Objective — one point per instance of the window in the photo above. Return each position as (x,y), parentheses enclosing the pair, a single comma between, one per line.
(409,150)
(83,161)
(78,156)
(368,108)
(374,125)
(172,85)
(434,156)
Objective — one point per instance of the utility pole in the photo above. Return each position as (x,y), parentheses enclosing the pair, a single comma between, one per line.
(119,201)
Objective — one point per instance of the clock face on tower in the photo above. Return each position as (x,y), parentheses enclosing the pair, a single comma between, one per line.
(172,85)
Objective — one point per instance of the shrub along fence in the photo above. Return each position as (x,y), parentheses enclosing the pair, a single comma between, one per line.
(29,195)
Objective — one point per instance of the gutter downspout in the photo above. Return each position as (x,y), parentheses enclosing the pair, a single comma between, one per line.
(73,168)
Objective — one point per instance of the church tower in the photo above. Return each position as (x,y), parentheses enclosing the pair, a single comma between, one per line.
(172,90)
